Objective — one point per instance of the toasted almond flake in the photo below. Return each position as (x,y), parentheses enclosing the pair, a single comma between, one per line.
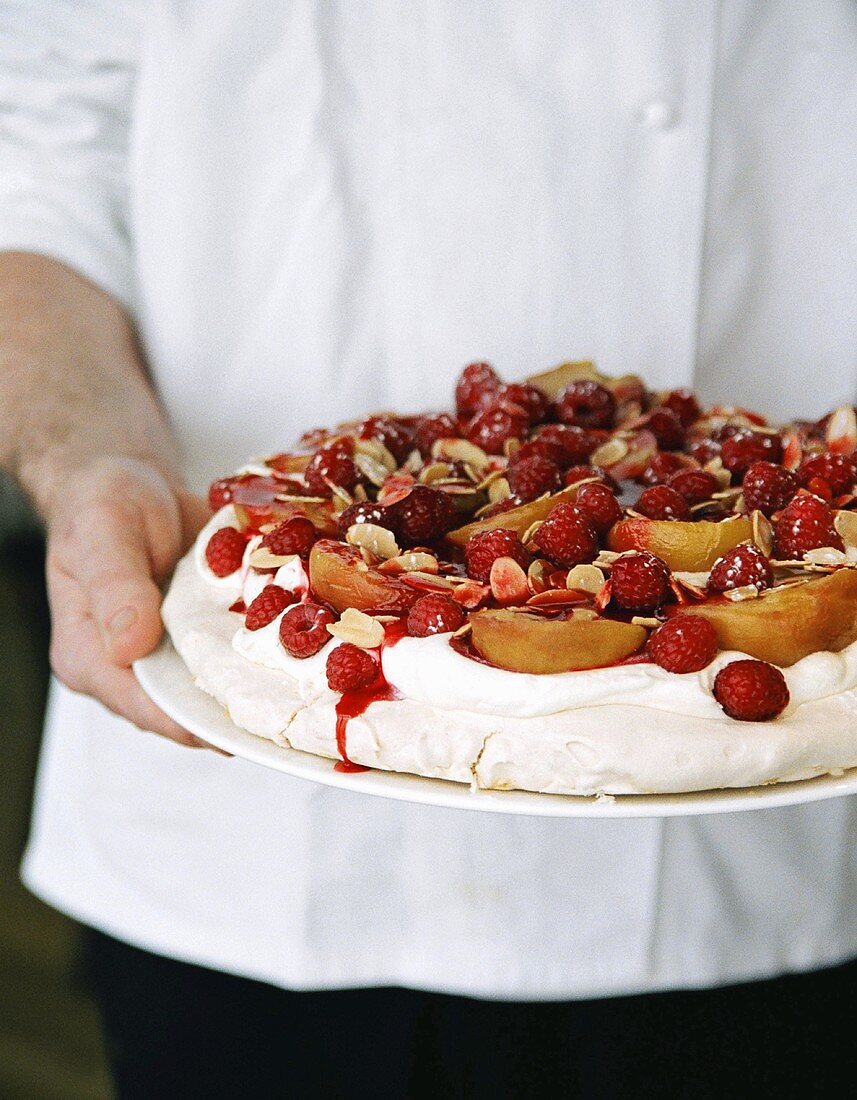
(845,524)
(763,532)
(555,597)
(585,578)
(289,498)
(463,631)
(765,429)
(715,466)
(262,558)
(842,429)
(470,593)
(851,555)
(693,580)
(732,493)
(508,581)
(434,580)
(490,478)
(745,592)
(377,451)
(511,447)
(825,555)
(583,614)
(538,573)
(411,562)
(792,451)
(385,619)
(357,628)
(435,471)
(473,473)
(606,558)
(645,620)
(375,471)
(380,542)
(609,453)
(360,493)
(460,450)
(499,490)
(413,463)
(531,530)
(341,498)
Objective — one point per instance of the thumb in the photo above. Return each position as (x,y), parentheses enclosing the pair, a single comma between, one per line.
(195,513)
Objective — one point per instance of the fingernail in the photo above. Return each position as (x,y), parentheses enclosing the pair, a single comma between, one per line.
(121,621)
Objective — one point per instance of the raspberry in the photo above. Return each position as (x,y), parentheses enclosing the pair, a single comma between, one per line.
(666,427)
(530,398)
(768,487)
(483,549)
(577,443)
(365,511)
(303,629)
(685,643)
(434,614)
(703,450)
(662,466)
(662,502)
(424,515)
(805,524)
(332,463)
(694,485)
(432,428)
(597,502)
(219,493)
(531,477)
(751,691)
(500,507)
(397,438)
(742,565)
(639,581)
(476,386)
(837,470)
(225,551)
(267,606)
(580,473)
(684,404)
(350,668)
(745,447)
(494,424)
(586,404)
(545,448)
(567,537)
(295,536)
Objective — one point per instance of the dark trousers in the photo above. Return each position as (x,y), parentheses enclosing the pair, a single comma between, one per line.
(175,1030)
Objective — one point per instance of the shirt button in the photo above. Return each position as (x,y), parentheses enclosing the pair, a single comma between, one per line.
(658,115)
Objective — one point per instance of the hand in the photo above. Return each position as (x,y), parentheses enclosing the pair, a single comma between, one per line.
(116,529)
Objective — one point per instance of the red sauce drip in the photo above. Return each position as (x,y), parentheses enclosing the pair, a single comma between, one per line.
(239,606)
(394,632)
(352,705)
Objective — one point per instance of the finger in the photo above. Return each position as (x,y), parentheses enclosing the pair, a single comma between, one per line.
(195,513)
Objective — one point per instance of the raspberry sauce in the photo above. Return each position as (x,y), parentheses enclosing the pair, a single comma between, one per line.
(352,705)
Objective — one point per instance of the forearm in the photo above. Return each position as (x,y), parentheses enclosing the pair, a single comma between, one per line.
(72,384)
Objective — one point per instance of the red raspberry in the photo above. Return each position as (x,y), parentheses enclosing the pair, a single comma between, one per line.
(432,428)
(586,404)
(768,487)
(577,443)
(751,691)
(684,404)
(685,643)
(662,466)
(567,537)
(694,485)
(544,448)
(662,502)
(483,549)
(531,477)
(639,581)
(597,502)
(476,386)
(837,470)
(424,515)
(742,565)
(745,447)
(500,507)
(494,424)
(303,629)
(396,437)
(332,463)
(365,511)
(580,473)
(295,536)
(530,398)
(350,668)
(805,524)
(666,427)
(219,493)
(267,606)
(225,551)
(434,614)
(703,450)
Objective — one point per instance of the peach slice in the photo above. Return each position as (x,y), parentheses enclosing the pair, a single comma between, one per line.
(521,642)
(782,625)
(517,519)
(340,577)
(554,381)
(686,546)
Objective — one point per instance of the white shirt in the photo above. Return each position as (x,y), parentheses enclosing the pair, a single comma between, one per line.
(319,209)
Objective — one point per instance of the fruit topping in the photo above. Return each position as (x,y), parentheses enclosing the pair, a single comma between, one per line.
(495,424)
(527,397)
(666,427)
(567,537)
(422,515)
(225,551)
(739,567)
(267,606)
(688,547)
(685,643)
(837,470)
(294,536)
(598,503)
(303,629)
(365,511)
(640,581)
(751,691)
(577,443)
(434,614)
(432,428)
(768,487)
(662,502)
(586,404)
(484,548)
(477,385)
(532,476)
(662,465)
(350,668)
(397,438)
(341,577)
(333,464)
(806,523)
(694,485)
(739,451)
(684,404)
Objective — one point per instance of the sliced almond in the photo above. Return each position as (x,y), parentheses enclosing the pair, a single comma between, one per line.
(358,628)
(341,497)
(609,453)
(435,471)
(376,539)
(412,562)
(413,463)
(715,466)
(538,574)
(262,558)
(583,614)
(530,531)
(841,430)
(585,578)
(825,555)
(374,471)
(499,490)
(692,580)
(460,450)
(470,593)
(763,532)
(792,451)
(845,524)
(288,498)
(606,558)
(427,580)
(511,447)
(491,477)
(377,451)
(508,581)
(646,621)
(745,592)
(463,631)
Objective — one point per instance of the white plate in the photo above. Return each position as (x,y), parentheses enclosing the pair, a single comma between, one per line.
(166,679)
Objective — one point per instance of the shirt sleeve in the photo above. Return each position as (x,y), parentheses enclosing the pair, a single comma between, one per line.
(66,82)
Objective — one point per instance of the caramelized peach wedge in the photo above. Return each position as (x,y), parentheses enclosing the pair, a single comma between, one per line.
(341,577)
(690,547)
